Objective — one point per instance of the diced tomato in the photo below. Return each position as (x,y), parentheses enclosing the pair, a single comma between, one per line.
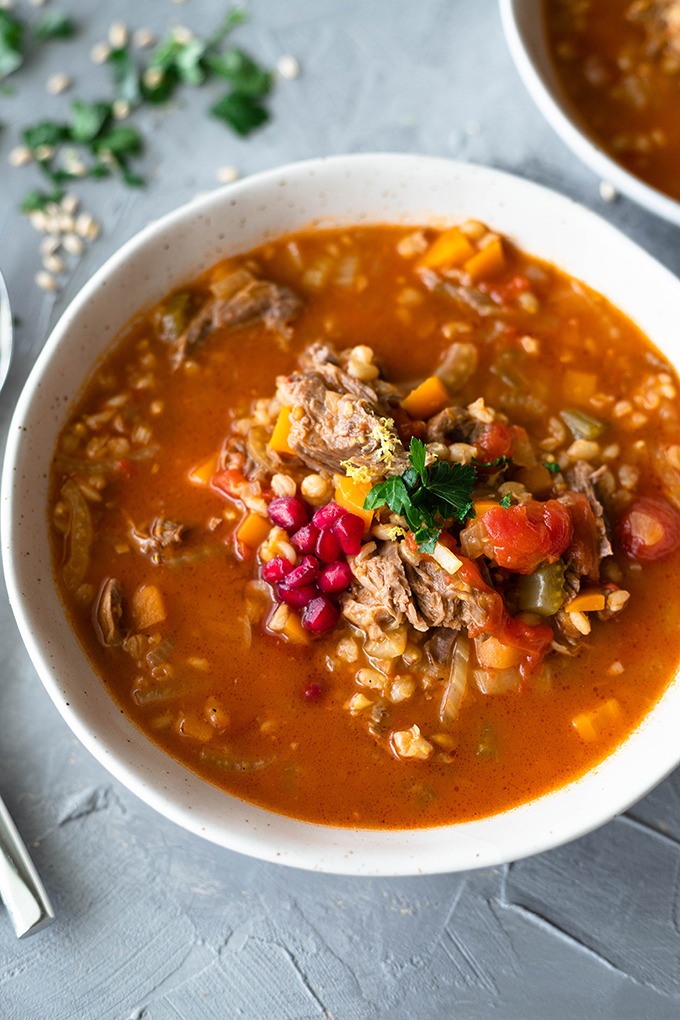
(533,640)
(649,530)
(228,482)
(406,426)
(584,553)
(524,536)
(494,441)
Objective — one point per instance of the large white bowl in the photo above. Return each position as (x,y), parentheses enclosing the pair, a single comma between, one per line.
(524,28)
(342,190)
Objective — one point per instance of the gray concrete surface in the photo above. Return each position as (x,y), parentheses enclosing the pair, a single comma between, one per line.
(153,922)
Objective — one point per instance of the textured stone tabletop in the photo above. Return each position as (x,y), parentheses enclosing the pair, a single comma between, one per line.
(151,921)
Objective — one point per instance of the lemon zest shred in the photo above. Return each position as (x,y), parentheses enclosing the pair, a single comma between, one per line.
(357,472)
(382,432)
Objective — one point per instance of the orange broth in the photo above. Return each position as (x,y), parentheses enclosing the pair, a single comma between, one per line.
(310,758)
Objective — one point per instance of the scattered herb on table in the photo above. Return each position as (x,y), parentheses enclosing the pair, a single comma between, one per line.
(11,43)
(54,25)
(427,496)
(94,144)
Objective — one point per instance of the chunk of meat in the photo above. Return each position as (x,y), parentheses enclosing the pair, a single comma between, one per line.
(446,600)
(583,478)
(336,418)
(453,425)
(249,301)
(392,586)
(380,593)
(159,536)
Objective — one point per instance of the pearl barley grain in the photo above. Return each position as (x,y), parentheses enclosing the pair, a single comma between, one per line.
(288,67)
(58,83)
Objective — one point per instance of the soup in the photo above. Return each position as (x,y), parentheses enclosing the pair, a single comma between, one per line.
(619,63)
(371,526)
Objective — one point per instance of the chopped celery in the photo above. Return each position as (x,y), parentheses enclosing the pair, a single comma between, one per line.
(543,591)
(174,314)
(582,425)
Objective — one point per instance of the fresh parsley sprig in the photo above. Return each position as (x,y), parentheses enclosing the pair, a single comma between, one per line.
(427,496)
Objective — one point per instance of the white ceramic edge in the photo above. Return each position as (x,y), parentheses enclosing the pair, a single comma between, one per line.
(524,34)
(414,188)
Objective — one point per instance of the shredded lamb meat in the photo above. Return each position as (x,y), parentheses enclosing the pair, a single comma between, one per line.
(335,418)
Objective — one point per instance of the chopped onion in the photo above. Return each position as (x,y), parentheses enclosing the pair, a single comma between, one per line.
(456,685)
(496,681)
(447,560)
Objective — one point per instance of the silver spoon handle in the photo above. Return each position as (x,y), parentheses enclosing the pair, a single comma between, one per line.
(20,887)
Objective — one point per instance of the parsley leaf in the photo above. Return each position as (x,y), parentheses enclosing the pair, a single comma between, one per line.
(505,501)
(125,76)
(552,466)
(54,25)
(241,112)
(11,43)
(427,496)
(88,119)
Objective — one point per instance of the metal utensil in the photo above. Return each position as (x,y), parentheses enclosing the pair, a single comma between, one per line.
(5,332)
(22,891)
(20,887)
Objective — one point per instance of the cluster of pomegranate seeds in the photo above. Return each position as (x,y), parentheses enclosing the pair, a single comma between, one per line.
(322,572)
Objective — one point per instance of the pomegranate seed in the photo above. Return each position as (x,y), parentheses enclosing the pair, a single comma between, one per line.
(306,572)
(349,530)
(326,515)
(305,538)
(276,569)
(320,615)
(298,598)
(335,576)
(312,692)
(327,547)
(288,513)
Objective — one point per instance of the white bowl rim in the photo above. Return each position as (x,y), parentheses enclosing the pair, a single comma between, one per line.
(562,815)
(565,122)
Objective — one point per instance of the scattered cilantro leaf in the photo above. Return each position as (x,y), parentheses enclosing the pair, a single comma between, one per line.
(120,140)
(126,78)
(37,201)
(505,501)
(87,120)
(54,25)
(46,132)
(241,112)
(552,466)
(11,43)
(245,75)
(232,20)
(427,495)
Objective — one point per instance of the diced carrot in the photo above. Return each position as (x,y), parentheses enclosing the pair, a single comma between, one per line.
(294,631)
(351,494)
(148,607)
(494,654)
(428,398)
(203,472)
(586,602)
(196,729)
(591,725)
(451,248)
(252,531)
(279,438)
(487,262)
(482,505)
